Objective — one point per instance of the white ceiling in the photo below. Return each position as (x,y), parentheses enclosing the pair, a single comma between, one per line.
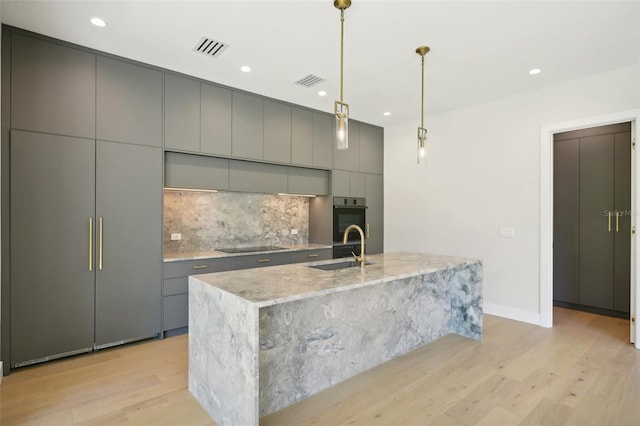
(480,50)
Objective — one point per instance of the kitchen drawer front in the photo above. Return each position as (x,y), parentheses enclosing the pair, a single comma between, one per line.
(175,313)
(175,286)
(311,255)
(185,268)
(260,260)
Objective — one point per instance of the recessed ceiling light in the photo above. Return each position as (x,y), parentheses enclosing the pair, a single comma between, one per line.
(245,68)
(98,22)
(322,93)
(386,114)
(535,71)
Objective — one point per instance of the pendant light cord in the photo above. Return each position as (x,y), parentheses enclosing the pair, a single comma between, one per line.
(422,99)
(341,51)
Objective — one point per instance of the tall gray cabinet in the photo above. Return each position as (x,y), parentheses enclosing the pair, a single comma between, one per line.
(592,219)
(85,244)
(83,133)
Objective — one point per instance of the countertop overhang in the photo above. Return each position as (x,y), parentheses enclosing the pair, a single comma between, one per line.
(212,254)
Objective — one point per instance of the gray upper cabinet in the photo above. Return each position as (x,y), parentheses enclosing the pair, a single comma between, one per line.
(181,113)
(128,103)
(247,119)
(301,137)
(348,184)
(308,181)
(247,176)
(53,88)
(349,159)
(323,138)
(375,212)
(215,121)
(195,171)
(371,149)
(277,132)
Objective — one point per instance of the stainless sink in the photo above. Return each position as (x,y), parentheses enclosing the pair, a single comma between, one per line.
(338,265)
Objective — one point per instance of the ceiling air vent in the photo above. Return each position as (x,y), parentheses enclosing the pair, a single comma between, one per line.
(309,80)
(210,47)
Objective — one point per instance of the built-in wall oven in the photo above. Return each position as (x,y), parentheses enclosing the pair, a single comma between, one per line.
(347,211)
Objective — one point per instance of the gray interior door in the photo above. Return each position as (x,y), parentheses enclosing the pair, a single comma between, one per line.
(52,286)
(129,206)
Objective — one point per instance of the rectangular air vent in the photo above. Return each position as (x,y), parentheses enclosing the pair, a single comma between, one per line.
(309,80)
(210,47)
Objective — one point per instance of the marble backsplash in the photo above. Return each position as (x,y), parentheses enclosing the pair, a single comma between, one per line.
(210,220)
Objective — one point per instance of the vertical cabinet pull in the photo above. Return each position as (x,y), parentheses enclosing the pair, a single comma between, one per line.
(100,243)
(609,221)
(90,244)
(367,227)
(617,221)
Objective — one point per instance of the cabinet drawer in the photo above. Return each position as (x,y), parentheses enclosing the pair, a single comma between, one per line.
(175,312)
(311,255)
(185,268)
(260,260)
(175,286)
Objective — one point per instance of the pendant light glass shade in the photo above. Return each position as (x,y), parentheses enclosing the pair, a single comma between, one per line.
(422,131)
(342,125)
(341,109)
(422,145)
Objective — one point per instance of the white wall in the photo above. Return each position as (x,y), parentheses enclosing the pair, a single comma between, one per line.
(483,173)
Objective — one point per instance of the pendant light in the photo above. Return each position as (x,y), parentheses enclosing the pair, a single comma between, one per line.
(340,109)
(422,132)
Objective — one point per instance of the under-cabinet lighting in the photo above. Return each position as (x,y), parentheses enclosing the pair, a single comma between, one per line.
(284,194)
(190,190)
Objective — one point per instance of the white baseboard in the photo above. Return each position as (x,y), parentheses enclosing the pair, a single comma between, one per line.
(511,313)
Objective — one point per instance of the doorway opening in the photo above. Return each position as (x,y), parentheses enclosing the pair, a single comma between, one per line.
(592,219)
(546,212)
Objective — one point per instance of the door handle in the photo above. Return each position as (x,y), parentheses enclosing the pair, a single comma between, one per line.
(617,221)
(90,244)
(609,213)
(100,243)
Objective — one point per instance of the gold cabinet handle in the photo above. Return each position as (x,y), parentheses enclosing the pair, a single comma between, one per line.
(200,266)
(90,244)
(100,243)
(367,231)
(609,221)
(617,221)
(313,255)
(264,260)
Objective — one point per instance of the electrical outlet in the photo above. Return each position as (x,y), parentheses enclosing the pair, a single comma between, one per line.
(506,232)
(294,232)
(176,237)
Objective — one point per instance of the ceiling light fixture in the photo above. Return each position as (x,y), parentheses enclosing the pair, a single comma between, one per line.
(98,22)
(422,132)
(386,114)
(535,71)
(322,93)
(245,68)
(340,109)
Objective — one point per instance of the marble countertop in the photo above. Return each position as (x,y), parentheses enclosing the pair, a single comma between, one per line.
(284,283)
(198,255)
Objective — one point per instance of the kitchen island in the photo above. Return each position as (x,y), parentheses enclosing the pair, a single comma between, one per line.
(262,340)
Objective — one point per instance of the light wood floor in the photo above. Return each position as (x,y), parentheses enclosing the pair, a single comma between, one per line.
(581,372)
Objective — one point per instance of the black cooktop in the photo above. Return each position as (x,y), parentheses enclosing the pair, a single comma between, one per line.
(249,249)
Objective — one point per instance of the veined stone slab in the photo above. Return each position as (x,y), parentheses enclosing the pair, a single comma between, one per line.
(259,342)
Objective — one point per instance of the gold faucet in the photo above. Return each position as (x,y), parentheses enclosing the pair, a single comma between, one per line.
(362,258)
